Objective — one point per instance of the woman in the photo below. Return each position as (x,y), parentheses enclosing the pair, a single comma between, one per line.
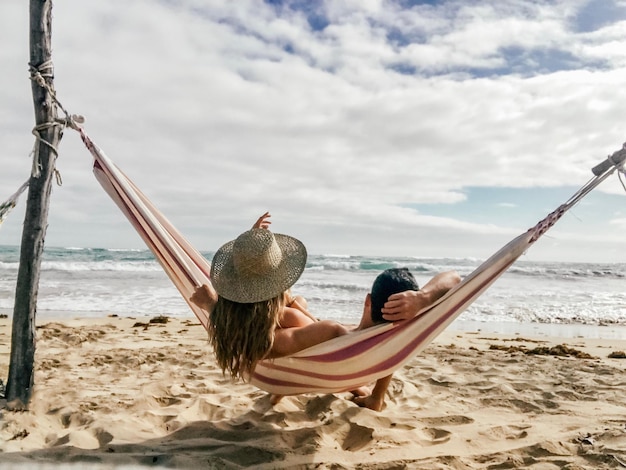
(252,313)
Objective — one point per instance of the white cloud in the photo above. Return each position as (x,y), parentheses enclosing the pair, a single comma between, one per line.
(220,111)
(619,223)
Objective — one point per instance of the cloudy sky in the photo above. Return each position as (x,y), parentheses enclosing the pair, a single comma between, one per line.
(418,128)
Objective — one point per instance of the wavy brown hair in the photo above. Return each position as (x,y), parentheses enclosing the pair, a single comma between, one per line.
(243,334)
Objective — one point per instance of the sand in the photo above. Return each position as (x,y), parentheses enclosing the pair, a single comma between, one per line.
(113,394)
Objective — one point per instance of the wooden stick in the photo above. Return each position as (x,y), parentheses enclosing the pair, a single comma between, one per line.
(21,367)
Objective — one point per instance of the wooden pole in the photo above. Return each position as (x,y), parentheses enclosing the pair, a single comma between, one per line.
(21,367)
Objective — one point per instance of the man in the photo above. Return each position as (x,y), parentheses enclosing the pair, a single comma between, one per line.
(396,296)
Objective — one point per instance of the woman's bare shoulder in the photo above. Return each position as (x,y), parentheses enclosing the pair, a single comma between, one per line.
(293,318)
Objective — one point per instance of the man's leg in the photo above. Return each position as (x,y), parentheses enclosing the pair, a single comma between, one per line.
(274,399)
(375,401)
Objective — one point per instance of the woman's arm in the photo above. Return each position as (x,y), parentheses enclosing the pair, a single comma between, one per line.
(204,297)
(263,221)
(298,302)
(291,340)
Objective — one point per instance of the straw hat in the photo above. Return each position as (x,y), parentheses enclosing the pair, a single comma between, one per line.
(258,265)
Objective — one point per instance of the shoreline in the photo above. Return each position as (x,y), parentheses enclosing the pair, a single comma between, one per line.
(119,392)
(553,330)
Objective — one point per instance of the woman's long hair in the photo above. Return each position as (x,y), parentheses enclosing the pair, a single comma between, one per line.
(243,334)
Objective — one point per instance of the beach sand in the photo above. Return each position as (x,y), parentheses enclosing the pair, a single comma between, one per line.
(113,394)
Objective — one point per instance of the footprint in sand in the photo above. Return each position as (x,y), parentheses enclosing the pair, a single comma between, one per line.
(437,435)
(506,432)
(357,437)
(447,420)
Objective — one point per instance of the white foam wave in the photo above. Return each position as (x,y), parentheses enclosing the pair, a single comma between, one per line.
(122,266)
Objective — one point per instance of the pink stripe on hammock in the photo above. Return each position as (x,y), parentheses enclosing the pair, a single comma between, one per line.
(341,364)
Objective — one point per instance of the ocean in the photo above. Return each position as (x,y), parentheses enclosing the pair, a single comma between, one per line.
(96,282)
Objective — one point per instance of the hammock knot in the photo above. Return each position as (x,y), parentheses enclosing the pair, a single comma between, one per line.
(36,169)
(614,158)
(72,121)
(545,224)
(39,74)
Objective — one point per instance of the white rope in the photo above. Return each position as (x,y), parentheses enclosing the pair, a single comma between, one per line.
(36,169)
(553,217)
(621,172)
(71,120)
(39,75)
(11,202)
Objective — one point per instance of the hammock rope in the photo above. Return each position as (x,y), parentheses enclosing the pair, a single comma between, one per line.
(621,172)
(38,75)
(8,205)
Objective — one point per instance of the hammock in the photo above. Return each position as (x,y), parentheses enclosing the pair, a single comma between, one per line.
(347,362)
(10,203)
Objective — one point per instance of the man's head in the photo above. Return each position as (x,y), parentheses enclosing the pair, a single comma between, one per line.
(389,282)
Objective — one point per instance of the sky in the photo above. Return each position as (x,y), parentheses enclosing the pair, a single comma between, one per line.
(366,127)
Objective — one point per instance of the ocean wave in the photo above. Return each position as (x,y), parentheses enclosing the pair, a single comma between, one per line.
(10,266)
(329,264)
(331,255)
(567,270)
(91,249)
(325,285)
(369,264)
(121,266)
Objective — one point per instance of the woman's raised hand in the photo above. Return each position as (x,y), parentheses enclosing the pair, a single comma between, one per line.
(204,297)
(263,221)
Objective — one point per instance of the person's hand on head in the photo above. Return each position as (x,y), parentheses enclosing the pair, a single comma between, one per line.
(403,305)
(407,304)
(263,221)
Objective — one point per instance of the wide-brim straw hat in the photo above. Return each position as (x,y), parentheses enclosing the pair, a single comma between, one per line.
(258,265)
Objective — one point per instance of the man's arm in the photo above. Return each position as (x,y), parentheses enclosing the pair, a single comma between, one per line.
(407,304)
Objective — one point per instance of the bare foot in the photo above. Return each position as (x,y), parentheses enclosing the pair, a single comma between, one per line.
(274,399)
(370,402)
(361,392)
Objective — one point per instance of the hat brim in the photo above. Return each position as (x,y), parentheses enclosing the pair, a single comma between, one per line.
(256,288)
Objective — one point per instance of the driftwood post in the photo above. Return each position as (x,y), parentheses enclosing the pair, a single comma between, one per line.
(21,366)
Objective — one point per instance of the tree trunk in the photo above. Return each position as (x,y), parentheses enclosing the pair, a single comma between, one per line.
(21,366)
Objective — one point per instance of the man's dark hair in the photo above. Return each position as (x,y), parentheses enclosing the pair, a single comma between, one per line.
(389,282)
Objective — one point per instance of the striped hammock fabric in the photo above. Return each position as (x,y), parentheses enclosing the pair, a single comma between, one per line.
(10,203)
(344,363)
